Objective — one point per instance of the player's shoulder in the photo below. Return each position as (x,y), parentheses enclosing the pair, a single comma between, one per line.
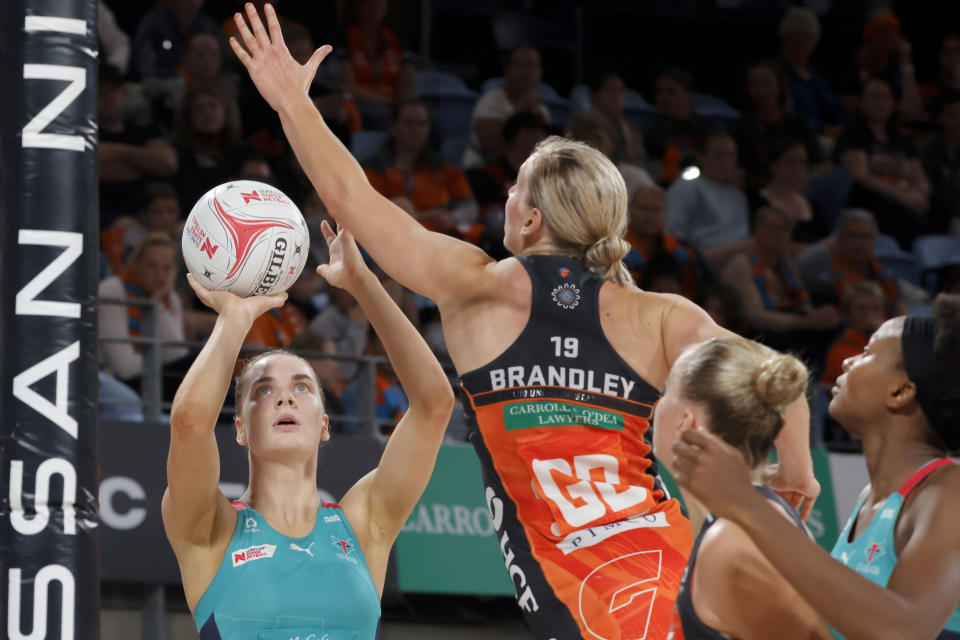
(940,491)
(727,553)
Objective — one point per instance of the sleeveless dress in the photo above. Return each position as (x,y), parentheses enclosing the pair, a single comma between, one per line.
(594,545)
(687,624)
(273,587)
(873,554)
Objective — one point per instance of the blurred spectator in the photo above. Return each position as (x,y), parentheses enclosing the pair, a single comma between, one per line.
(127,155)
(310,345)
(159,210)
(162,35)
(831,266)
(775,299)
(766,119)
(406,171)
(591,127)
(709,211)
(149,275)
(607,92)
(886,54)
(723,304)
(340,114)
(650,242)
(344,322)
(491,184)
(208,141)
(671,137)
(276,328)
(114,43)
(813,97)
(863,313)
(374,72)
(118,401)
(305,293)
(941,162)
(255,167)
(889,179)
(948,71)
(519,93)
(202,61)
(786,190)
(389,397)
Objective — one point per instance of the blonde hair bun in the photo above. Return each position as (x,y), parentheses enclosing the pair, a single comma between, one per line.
(780,379)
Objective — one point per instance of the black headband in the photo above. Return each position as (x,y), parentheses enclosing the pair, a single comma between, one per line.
(917,344)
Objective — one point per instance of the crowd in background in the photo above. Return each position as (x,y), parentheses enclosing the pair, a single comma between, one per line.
(803,216)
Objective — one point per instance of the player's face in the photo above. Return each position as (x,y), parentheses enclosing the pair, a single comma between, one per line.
(870,378)
(515,213)
(282,411)
(669,413)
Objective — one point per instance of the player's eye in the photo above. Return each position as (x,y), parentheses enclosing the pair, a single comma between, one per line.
(302,388)
(263,390)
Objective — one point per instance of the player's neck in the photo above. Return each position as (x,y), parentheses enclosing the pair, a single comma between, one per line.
(893,456)
(285,494)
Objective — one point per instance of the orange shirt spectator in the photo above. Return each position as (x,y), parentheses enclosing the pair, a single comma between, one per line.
(863,311)
(850,344)
(435,193)
(276,328)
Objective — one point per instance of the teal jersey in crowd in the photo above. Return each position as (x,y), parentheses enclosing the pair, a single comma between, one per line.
(273,587)
(873,554)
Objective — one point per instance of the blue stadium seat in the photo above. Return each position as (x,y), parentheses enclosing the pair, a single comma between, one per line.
(901,265)
(453,114)
(713,108)
(559,110)
(453,150)
(365,144)
(546,91)
(934,252)
(579,99)
(433,83)
(886,245)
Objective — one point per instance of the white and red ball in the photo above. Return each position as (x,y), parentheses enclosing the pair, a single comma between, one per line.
(246,237)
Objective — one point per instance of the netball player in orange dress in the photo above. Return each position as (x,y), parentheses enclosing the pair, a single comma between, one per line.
(560,360)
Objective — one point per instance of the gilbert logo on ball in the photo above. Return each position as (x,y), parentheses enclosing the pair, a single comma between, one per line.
(246,237)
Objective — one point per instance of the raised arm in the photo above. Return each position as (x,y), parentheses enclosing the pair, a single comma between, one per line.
(684,324)
(383,499)
(193,500)
(435,265)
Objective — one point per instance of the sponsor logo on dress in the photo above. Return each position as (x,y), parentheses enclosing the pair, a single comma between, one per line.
(588,537)
(567,296)
(295,547)
(250,525)
(344,547)
(256,552)
(333,518)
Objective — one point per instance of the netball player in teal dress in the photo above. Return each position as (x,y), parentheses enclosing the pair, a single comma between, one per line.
(281,563)
(895,570)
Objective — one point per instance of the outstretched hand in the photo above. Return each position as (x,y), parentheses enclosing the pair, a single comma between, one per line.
(345,265)
(277,76)
(226,303)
